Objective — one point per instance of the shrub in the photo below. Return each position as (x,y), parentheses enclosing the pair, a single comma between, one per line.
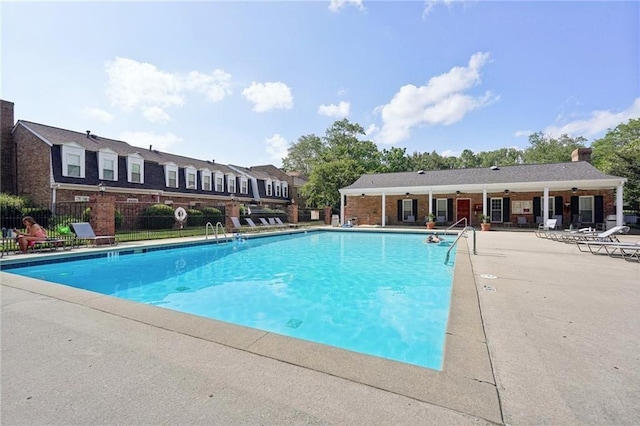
(195,217)
(11,211)
(157,216)
(212,214)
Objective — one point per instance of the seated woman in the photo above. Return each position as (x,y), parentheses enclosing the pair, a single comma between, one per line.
(34,232)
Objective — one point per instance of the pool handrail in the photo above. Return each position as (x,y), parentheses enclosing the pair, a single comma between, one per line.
(464,219)
(463,232)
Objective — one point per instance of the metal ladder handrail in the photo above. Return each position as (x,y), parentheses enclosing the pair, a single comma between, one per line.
(221,226)
(206,230)
(464,219)
(463,232)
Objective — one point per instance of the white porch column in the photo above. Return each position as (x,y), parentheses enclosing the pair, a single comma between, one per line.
(619,205)
(341,209)
(384,210)
(545,206)
(430,201)
(484,202)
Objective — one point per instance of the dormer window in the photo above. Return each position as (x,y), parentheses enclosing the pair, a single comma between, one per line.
(205,179)
(135,168)
(285,190)
(276,185)
(190,177)
(219,180)
(231,184)
(171,175)
(108,165)
(244,185)
(73,160)
(268,185)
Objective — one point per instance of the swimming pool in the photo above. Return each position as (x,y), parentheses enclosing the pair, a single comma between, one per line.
(382,294)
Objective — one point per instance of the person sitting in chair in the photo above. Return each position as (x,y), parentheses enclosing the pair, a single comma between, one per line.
(34,232)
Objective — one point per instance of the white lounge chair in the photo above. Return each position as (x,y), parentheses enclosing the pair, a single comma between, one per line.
(609,235)
(84,232)
(545,228)
(236,223)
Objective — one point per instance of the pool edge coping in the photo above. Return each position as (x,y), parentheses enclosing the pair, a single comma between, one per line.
(465,384)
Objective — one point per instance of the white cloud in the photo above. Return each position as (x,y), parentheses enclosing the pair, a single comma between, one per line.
(268,96)
(597,123)
(341,110)
(98,114)
(449,153)
(430,4)
(164,143)
(155,115)
(133,85)
(277,147)
(336,5)
(442,101)
(371,129)
(523,133)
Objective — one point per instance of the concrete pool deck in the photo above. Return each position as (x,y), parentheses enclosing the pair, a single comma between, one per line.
(556,342)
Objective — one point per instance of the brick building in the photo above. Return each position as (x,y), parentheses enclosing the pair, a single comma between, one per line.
(575,193)
(48,165)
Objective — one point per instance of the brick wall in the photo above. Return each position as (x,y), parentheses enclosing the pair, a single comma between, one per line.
(102,215)
(33,174)
(7,149)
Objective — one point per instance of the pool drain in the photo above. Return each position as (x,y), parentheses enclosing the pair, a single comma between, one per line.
(293,323)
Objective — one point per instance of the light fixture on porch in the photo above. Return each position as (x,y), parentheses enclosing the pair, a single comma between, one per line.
(506,192)
(362,195)
(574,189)
(407,194)
(567,205)
(457,193)
(102,189)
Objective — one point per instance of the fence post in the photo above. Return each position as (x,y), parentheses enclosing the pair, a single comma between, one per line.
(292,211)
(103,210)
(231,209)
(327,215)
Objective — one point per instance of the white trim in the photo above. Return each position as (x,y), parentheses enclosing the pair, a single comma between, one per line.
(168,168)
(206,173)
(106,154)
(76,150)
(190,170)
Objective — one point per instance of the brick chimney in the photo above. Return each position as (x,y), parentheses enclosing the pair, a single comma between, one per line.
(8,182)
(581,154)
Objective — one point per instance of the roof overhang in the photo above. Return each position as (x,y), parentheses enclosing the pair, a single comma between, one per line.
(591,185)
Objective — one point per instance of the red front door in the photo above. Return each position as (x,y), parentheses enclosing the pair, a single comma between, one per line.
(463,209)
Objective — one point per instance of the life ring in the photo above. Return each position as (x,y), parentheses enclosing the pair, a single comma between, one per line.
(180,214)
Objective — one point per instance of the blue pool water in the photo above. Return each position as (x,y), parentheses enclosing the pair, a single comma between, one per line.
(381,294)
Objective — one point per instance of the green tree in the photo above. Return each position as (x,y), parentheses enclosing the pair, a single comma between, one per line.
(343,159)
(545,149)
(303,155)
(618,154)
(324,183)
(394,160)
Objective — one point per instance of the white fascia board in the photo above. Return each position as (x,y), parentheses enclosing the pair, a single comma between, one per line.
(492,187)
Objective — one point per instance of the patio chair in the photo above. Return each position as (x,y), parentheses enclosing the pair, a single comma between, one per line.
(281,223)
(84,232)
(264,223)
(544,229)
(611,248)
(609,235)
(522,221)
(251,223)
(50,243)
(441,220)
(236,223)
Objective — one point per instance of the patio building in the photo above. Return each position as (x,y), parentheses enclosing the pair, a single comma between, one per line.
(575,193)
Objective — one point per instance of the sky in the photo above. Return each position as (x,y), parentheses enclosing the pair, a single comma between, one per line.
(239,82)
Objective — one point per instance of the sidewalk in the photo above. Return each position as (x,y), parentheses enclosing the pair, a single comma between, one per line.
(561,330)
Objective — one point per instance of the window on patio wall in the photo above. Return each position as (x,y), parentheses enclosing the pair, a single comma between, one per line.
(585,206)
